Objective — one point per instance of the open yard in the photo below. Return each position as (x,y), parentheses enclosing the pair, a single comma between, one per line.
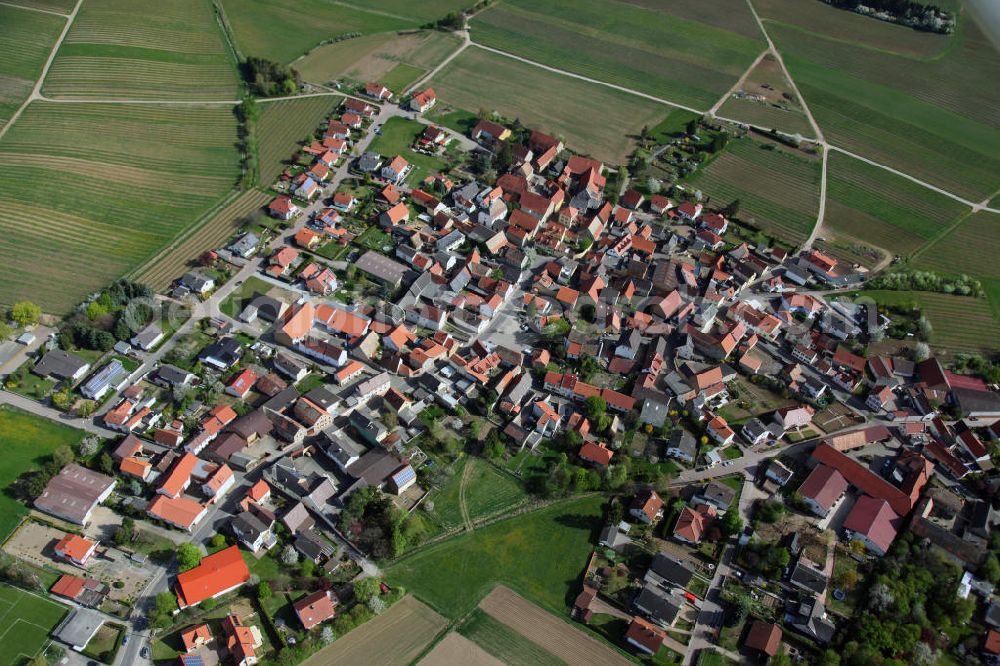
(879,104)
(26,38)
(144,49)
(556,634)
(541,554)
(26,621)
(25,441)
(396,637)
(283,126)
(218,226)
(669,50)
(283,30)
(398,134)
(575,110)
(778,191)
(751,400)
(374,57)
(113,184)
(869,209)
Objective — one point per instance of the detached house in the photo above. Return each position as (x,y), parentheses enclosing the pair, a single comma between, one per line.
(283,208)
(423,100)
(396,170)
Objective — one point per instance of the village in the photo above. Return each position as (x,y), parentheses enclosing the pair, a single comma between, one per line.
(279,420)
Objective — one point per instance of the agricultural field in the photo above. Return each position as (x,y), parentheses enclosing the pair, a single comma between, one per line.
(398,134)
(879,104)
(452,576)
(675,53)
(27,440)
(560,638)
(373,57)
(144,49)
(218,227)
(58,6)
(499,640)
(872,214)
(767,100)
(971,248)
(573,109)
(425,11)
(778,190)
(394,638)
(26,39)
(283,30)
(27,620)
(457,649)
(128,182)
(959,323)
(282,128)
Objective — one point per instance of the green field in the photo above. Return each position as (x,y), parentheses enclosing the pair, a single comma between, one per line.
(26,620)
(883,106)
(959,323)
(562,106)
(868,207)
(282,128)
(60,6)
(503,642)
(283,30)
(971,248)
(25,441)
(401,76)
(144,49)
(540,555)
(487,492)
(372,57)
(398,134)
(26,39)
(425,11)
(778,191)
(90,191)
(673,53)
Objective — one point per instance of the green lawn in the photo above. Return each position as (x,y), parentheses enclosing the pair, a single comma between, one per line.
(26,621)
(25,441)
(34,387)
(398,134)
(373,238)
(241,297)
(540,555)
(487,492)
(503,642)
(104,645)
(401,76)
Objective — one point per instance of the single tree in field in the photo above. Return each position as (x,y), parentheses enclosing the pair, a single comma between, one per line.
(25,313)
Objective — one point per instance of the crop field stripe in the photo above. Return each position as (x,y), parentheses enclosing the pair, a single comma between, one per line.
(283,125)
(971,247)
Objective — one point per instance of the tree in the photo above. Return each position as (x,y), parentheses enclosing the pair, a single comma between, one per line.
(125,532)
(921,352)
(188,556)
(89,446)
(732,523)
(106,464)
(595,407)
(733,209)
(770,511)
(263,591)
(289,555)
(990,569)
(308,568)
(847,579)
(25,313)
(62,456)
(366,589)
(692,127)
(86,408)
(218,541)
(5,330)
(326,635)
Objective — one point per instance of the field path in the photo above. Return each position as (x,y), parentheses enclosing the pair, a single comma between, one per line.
(822,204)
(553,633)
(788,75)
(466,41)
(739,83)
(462,485)
(34,9)
(37,90)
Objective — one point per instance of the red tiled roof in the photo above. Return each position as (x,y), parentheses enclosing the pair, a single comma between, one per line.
(74,547)
(191,636)
(823,485)
(68,586)
(216,574)
(179,476)
(874,519)
(764,636)
(315,608)
(864,479)
(596,453)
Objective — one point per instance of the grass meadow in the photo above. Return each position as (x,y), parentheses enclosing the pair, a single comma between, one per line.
(282,128)
(144,49)
(877,208)
(576,110)
(373,57)
(487,492)
(26,39)
(639,45)
(930,117)
(283,30)
(25,441)
(539,554)
(27,620)
(779,191)
(398,134)
(74,214)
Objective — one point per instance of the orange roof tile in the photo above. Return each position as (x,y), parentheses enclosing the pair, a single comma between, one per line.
(216,574)
(75,547)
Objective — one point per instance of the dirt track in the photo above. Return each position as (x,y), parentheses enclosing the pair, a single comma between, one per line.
(457,649)
(554,634)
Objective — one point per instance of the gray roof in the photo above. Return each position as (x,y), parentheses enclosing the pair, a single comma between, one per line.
(147,336)
(248,526)
(79,627)
(671,570)
(718,493)
(244,245)
(684,441)
(109,375)
(196,281)
(654,412)
(381,267)
(806,575)
(60,364)
(657,606)
(171,374)
(369,161)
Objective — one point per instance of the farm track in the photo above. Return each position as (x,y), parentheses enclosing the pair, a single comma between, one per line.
(463,507)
